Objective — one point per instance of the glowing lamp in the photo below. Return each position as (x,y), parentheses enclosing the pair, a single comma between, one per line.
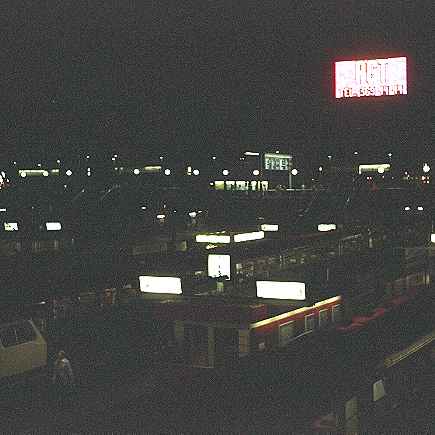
(432,237)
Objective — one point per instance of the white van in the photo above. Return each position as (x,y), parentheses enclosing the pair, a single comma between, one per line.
(23,350)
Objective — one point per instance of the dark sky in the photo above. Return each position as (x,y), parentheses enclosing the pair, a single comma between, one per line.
(204,77)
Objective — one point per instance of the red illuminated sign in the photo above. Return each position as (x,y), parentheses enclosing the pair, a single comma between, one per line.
(370,78)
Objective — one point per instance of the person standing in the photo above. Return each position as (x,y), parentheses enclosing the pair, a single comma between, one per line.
(63,379)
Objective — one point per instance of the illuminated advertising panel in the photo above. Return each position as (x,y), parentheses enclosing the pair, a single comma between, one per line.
(432,237)
(326,227)
(53,226)
(160,284)
(10,226)
(370,77)
(245,237)
(219,265)
(269,227)
(277,162)
(380,168)
(281,290)
(212,238)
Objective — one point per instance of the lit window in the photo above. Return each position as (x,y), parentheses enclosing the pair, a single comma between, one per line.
(310,322)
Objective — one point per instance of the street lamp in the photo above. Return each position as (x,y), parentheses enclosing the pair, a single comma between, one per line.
(225,172)
(426,168)
(167,171)
(255,172)
(136,171)
(196,172)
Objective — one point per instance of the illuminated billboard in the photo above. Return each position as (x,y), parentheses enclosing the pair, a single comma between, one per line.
(326,227)
(53,226)
(281,290)
(219,265)
(277,162)
(379,168)
(370,77)
(212,238)
(10,226)
(160,284)
(245,237)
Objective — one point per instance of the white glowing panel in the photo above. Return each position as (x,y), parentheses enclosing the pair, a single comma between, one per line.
(53,226)
(281,290)
(380,168)
(219,265)
(212,238)
(432,237)
(378,390)
(10,226)
(326,227)
(244,237)
(370,77)
(277,162)
(269,227)
(160,284)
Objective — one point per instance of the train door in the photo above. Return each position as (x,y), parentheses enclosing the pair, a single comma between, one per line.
(226,346)
(196,342)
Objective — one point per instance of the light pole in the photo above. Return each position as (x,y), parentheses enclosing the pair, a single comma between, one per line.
(290,173)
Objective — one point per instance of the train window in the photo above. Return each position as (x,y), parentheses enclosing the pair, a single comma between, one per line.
(7,336)
(286,333)
(336,313)
(25,332)
(310,322)
(323,318)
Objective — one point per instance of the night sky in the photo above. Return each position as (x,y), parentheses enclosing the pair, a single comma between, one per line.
(197,78)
